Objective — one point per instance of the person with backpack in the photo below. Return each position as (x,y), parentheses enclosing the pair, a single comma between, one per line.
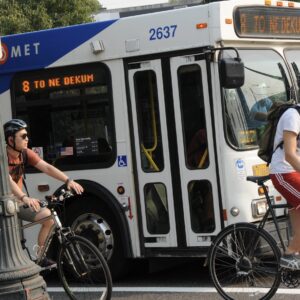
(285,172)
(19,155)
(263,103)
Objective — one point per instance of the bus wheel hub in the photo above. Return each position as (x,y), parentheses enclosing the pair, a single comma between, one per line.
(97,230)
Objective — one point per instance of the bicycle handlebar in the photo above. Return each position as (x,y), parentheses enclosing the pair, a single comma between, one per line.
(52,199)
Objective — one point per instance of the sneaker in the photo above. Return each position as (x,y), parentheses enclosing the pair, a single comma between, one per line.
(47,264)
(290,261)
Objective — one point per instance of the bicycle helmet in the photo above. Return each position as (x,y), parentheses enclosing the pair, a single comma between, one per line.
(13,126)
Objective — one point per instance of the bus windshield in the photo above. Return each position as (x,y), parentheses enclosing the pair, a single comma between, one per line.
(266,81)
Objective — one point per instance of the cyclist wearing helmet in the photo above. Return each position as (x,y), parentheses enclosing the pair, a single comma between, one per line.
(16,138)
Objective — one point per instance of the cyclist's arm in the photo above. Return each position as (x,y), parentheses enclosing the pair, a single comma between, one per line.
(290,149)
(59,175)
(19,194)
(15,188)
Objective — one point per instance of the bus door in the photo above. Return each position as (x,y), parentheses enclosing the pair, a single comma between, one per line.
(197,161)
(152,154)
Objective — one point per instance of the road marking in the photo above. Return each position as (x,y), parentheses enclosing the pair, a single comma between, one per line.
(171,290)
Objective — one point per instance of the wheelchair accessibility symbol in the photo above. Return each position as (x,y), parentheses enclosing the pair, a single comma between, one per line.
(122,161)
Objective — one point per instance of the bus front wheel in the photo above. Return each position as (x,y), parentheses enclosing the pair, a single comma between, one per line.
(93,220)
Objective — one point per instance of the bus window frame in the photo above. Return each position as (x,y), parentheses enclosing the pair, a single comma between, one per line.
(289,76)
(55,70)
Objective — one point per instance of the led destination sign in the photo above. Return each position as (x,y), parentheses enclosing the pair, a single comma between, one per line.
(267,22)
(35,84)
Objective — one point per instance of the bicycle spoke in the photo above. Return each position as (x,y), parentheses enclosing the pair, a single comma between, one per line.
(239,267)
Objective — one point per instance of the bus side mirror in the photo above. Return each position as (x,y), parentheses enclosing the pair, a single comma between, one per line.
(232,73)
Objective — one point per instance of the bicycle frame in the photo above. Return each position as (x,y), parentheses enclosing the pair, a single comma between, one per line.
(81,258)
(271,211)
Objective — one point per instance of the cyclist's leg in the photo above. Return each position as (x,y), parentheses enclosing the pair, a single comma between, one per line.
(26,214)
(288,186)
(46,226)
(294,245)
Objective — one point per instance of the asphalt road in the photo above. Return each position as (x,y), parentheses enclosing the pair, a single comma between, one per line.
(167,279)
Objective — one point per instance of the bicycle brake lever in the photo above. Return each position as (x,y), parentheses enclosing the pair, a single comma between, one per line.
(69,194)
(49,198)
(65,194)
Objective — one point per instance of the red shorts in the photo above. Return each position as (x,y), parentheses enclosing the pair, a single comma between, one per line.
(288,185)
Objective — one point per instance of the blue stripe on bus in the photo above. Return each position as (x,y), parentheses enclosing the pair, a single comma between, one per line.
(53,44)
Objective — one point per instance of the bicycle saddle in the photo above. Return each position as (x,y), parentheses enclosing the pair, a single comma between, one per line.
(258,179)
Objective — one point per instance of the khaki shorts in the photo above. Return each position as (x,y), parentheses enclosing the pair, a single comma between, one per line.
(26,214)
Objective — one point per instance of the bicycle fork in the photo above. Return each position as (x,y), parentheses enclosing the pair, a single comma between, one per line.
(74,258)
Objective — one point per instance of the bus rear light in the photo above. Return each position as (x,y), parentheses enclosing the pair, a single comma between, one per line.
(291,4)
(278,198)
(268,2)
(279,3)
(225,215)
(201,25)
(228,21)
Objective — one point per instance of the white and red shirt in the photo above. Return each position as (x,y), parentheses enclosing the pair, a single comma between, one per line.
(289,121)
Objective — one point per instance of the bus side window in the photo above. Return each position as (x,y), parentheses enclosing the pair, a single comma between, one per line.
(157,215)
(71,124)
(148,121)
(201,206)
(193,115)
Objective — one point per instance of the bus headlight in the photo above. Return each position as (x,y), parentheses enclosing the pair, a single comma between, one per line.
(259,207)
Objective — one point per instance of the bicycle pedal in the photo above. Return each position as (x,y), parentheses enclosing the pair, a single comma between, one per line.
(49,268)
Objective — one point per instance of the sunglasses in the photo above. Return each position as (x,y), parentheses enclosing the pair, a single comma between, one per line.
(24,136)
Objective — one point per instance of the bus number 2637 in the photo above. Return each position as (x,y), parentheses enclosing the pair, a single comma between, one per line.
(164,32)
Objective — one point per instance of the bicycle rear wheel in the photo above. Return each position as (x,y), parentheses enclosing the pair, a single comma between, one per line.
(244,263)
(83,271)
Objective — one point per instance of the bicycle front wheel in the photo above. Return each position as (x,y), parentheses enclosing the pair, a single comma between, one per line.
(244,263)
(83,270)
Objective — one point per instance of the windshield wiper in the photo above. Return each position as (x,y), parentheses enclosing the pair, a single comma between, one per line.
(262,73)
(296,71)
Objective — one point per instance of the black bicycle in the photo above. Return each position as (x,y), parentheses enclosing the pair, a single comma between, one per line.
(82,269)
(244,259)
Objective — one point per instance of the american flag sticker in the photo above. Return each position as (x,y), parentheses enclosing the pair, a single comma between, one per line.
(66,151)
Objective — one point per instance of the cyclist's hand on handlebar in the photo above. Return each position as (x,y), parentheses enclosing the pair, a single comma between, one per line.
(33,204)
(73,185)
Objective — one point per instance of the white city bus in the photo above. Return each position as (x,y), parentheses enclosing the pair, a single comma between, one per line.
(150,114)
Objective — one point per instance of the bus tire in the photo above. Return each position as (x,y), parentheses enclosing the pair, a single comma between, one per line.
(92,219)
